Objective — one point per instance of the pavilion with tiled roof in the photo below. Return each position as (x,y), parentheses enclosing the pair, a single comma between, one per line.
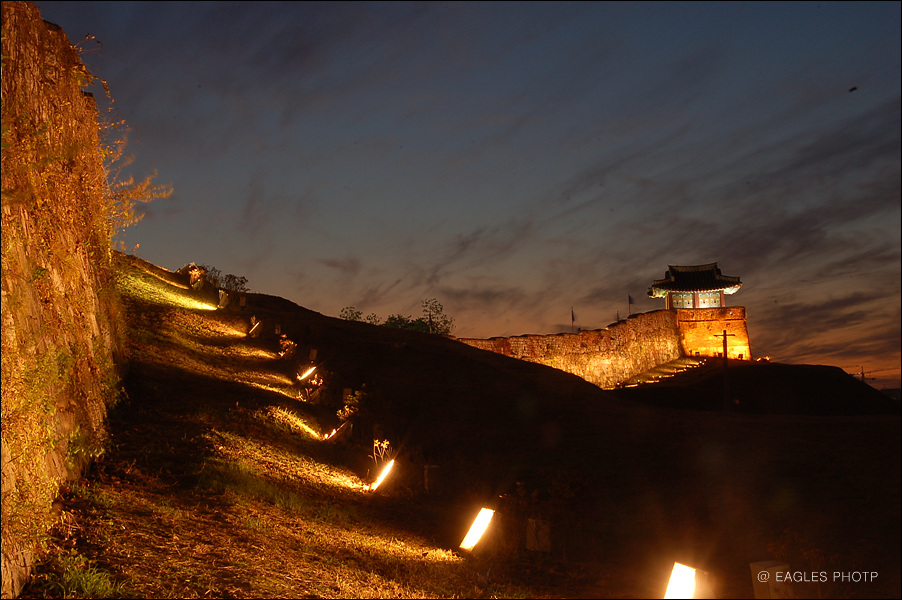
(698,286)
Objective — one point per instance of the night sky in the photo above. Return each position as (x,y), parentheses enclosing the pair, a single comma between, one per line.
(516,160)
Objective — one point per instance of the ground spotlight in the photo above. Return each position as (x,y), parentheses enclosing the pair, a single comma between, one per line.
(385,471)
(480,524)
(307,373)
(254,329)
(687,582)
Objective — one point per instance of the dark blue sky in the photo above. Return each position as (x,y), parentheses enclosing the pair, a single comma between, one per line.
(515,159)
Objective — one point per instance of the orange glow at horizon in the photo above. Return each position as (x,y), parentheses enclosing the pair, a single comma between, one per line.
(480,524)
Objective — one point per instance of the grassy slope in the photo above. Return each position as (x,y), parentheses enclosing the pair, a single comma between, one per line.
(214,485)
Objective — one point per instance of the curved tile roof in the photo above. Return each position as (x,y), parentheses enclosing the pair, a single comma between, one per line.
(696,278)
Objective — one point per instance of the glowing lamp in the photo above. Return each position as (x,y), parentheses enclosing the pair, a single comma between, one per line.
(480,524)
(383,474)
(682,582)
(336,433)
(306,373)
(254,328)
(686,582)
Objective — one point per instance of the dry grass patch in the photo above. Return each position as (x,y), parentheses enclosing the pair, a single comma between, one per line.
(218,483)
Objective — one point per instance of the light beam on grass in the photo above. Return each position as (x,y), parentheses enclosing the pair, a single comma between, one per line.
(271,382)
(268,462)
(195,304)
(165,294)
(251,352)
(227,330)
(292,420)
(480,524)
(385,471)
(153,273)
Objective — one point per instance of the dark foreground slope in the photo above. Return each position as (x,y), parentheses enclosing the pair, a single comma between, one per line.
(765,388)
(625,487)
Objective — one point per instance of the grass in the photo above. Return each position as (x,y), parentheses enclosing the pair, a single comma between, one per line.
(217,471)
(74,576)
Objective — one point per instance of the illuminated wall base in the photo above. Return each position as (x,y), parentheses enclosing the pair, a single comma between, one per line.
(701,331)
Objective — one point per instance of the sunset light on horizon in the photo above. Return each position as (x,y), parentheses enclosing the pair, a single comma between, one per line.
(532,166)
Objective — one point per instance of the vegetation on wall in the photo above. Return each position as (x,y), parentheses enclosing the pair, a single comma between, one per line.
(63,199)
(124,194)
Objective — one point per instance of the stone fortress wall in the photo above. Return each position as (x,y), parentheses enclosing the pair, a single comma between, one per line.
(62,331)
(607,357)
(701,331)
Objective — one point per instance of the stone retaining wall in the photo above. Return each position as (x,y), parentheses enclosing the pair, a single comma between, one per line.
(62,334)
(701,330)
(605,357)
(622,350)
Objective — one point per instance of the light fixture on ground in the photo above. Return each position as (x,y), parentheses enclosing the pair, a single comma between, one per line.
(336,433)
(687,582)
(480,524)
(385,471)
(253,330)
(307,373)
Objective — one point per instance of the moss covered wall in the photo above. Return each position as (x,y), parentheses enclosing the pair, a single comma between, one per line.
(61,336)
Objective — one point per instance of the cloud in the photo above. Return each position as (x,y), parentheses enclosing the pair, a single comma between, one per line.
(516,160)
(348,266)
(854,145)
(482,248)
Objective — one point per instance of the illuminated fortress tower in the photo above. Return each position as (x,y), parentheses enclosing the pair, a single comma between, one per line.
(701,286)
(697,294)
